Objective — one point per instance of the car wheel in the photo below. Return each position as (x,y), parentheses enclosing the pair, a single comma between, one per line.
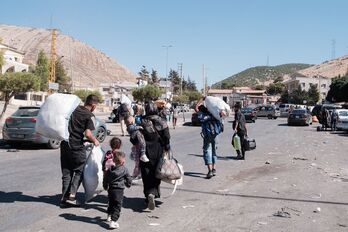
(53,144)
(275,117)
(101,134)
(269,116)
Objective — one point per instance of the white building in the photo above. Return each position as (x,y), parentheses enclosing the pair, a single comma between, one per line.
(13,60)
(322,83)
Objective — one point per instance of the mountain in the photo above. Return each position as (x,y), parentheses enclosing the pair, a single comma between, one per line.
(87,66)
(331,68)
(260,75)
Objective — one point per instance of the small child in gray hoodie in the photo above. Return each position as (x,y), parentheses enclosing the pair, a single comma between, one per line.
(115,180)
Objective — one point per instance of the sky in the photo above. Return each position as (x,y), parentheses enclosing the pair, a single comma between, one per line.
(226,36)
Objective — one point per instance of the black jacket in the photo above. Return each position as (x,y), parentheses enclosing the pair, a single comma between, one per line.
(117,177)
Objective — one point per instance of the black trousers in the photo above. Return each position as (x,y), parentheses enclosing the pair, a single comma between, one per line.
(115,203)
(242,143)
(72,163)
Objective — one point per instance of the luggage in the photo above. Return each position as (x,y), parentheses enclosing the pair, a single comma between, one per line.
(54,115)
(217,107)
(250,144)
(93,173)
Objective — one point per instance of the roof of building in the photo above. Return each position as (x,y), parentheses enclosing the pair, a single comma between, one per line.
(220,91)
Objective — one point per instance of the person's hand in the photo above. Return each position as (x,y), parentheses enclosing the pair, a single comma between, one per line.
(96,143)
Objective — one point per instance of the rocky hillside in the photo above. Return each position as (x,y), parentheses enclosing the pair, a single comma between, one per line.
(330,69)
(260,75)
(87,66)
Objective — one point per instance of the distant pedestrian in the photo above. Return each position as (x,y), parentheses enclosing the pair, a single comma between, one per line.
(73,153)
(334,117)
(175,111)
(239,128)
(124,111)
(115,181)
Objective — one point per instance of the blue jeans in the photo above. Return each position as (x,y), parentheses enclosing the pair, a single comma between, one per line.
(209,151)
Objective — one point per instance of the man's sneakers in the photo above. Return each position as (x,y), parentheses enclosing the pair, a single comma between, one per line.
(108,218)
(214,172)
(114,225)
(210,174)
(151,202)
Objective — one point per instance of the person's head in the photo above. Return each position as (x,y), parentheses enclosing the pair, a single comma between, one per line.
(129,120)
(115,143)
(119,157)
(203,109)
(237,107)
(91,102)
(151,109)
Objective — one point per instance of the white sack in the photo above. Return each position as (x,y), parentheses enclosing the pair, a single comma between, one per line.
(93,174)
(216,105)
(126,100)
(53,118)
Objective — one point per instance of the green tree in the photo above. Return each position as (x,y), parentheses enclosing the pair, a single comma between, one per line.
(154,77)
(42,70)
(275,88)
(15,83)
(260,87)
(144,74)
(313,95)
(181,98)
(175,79)
(146,93)
(284,97)
(338,89)
(298,96)
(62,78)
(83,93)
(193,95)
(191,85)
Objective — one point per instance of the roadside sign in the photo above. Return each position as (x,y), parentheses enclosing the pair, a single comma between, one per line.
(54,86)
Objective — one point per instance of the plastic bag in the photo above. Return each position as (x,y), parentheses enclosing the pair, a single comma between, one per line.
(236,142)
(217,107)
(54,115)
(93,173)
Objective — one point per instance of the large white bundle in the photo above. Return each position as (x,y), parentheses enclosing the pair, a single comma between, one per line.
(216,105)
(53,118)
(93,174)
(124,99)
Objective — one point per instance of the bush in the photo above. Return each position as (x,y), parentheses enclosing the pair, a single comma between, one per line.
(82,94)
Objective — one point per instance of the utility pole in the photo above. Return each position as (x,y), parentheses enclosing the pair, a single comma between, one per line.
(167,48)
(180,73)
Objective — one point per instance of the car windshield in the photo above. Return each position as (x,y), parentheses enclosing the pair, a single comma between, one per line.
(343,113)
(299,111)
(26,112)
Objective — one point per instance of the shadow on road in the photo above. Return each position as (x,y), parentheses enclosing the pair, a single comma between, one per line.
(96,220)
(12,197)
(262,197)
(195,174)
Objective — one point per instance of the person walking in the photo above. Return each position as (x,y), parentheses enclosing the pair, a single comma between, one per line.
(73,152)
(157,139)
(124,112)
(175,115)
(115,180)
(211,128)
(240,129)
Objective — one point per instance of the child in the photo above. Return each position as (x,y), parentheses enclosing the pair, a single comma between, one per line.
(115,180)
(139,146)
(115,144)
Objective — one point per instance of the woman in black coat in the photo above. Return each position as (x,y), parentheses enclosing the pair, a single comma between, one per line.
(156,134)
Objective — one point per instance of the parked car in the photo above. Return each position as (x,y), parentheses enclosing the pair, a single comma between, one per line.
(284,109)
(20,127)
(342,119)
(249,114)
(269,111)
(300,117)
(195,120)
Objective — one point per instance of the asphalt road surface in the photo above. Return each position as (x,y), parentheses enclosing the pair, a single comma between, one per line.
(295,180)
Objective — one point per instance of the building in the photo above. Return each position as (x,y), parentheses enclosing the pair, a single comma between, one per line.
(305,82)
(13,60)
(166,87)
(244,95)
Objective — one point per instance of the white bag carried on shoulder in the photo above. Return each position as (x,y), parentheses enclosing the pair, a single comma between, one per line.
(93,173)
(216,106)
(53,118)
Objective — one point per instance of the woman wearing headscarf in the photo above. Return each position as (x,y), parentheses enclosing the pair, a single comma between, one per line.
(156,134)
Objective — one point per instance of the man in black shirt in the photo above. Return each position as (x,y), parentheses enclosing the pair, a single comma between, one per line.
(73,153)
(240,128)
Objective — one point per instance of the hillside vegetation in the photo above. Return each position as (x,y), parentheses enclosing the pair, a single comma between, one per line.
(260,75)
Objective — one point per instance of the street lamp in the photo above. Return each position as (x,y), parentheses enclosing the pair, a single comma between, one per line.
(167,48)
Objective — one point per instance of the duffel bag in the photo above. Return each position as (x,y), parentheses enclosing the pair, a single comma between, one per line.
(250,144)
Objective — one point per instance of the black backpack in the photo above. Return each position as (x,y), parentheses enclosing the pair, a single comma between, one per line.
(123,110)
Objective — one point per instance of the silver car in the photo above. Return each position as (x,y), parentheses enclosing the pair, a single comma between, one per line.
(269,111)
(20,127)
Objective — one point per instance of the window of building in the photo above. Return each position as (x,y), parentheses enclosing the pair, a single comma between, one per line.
(21,96)
(35,97)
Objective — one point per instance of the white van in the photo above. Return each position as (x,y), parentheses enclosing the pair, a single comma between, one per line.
(284,109)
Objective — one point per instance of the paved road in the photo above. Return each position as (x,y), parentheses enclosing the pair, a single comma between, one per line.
(307,170)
